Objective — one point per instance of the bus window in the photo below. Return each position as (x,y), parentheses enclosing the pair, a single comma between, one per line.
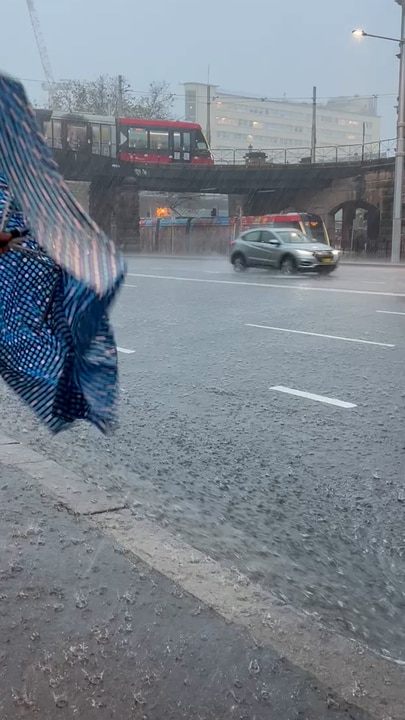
(176,141)
(47,130)
(77,137)
(106,140)
(137,138)
(186,141)
(182,141)
(56,134)
(95,139)
(159,140)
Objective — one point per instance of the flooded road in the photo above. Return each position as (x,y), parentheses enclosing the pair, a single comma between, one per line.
(262,418)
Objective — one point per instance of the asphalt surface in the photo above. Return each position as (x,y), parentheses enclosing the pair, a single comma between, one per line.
(88,632)
(307,498)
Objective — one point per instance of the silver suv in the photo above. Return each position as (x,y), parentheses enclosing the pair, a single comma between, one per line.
(287,249)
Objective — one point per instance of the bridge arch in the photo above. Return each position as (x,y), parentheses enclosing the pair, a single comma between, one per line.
(355,225)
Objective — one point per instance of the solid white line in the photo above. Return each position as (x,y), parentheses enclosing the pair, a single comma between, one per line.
(125,351)
(390,312)
(303,288)
(311,396)
(330,337)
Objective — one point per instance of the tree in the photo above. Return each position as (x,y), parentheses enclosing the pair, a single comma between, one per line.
(157,104)
(109,95)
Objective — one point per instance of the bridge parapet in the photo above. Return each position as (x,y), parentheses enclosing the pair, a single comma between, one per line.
(359,153)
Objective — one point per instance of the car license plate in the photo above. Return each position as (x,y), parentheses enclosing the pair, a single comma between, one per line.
(326,260)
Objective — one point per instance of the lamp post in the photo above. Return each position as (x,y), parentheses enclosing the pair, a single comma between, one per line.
(400,148)
(362,33)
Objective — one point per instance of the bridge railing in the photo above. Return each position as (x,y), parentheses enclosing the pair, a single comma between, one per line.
(294,156)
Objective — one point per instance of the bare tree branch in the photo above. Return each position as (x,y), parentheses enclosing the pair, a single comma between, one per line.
(101,97)
(158,103)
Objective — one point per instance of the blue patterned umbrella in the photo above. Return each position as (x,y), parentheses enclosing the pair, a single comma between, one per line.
(60,225)
(57,350)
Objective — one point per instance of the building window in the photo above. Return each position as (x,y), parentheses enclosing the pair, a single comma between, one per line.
(191,102)
(226,121)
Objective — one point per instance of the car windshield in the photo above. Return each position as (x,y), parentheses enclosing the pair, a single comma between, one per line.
(294,237)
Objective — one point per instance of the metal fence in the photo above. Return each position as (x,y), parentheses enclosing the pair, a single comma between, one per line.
(295,156)
(185,236)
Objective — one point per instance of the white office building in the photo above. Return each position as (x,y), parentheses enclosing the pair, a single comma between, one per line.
(239,122)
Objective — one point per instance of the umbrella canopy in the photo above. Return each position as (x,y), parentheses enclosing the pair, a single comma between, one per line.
(60,225)
(57,350)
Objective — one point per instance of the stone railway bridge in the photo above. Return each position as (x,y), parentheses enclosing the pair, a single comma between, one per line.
(109,189)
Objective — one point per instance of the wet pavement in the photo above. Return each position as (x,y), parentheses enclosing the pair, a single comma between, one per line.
(306,497)
(90,631)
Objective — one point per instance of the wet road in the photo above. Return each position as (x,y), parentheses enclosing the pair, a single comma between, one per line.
(263,419)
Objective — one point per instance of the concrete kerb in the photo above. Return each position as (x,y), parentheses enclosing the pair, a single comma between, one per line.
(359,676)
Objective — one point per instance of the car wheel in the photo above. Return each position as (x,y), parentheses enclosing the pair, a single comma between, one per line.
(288,266)
(239,264)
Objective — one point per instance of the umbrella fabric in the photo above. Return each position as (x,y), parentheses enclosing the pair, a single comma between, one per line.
(57,350)
(58,222)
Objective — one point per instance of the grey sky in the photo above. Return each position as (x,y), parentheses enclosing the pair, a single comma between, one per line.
(267,47)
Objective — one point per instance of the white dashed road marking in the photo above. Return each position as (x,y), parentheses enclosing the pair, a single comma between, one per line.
(390,312)
(301,288)
(125,351)
(313,334)
(311,396)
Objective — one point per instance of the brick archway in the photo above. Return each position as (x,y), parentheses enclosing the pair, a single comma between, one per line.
(350,238)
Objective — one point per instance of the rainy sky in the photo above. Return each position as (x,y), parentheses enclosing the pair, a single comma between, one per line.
(261,47)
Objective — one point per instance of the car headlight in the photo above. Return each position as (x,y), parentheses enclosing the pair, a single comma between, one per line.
(304,253)
(336,253)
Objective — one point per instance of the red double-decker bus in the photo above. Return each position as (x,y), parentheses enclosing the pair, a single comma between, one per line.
(129,139)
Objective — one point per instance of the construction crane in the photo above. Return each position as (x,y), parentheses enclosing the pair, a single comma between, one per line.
(50,84)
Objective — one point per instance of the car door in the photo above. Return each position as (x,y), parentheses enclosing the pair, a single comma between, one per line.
(270,248)
(254,247)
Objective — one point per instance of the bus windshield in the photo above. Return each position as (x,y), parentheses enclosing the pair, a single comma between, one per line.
(315,228)
(201,145)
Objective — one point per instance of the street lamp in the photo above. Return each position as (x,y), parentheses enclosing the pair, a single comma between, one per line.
(362,33)
(400,148)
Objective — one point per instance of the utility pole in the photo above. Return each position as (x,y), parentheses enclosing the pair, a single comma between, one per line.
(313,134)
(399,153)
(208,133)
(120,95)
